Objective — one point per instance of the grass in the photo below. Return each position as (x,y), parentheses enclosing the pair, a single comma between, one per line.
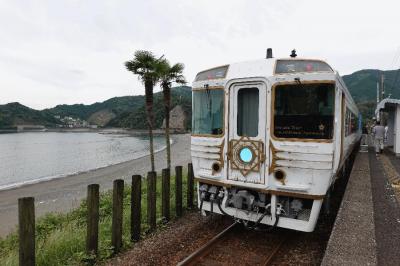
(60,238)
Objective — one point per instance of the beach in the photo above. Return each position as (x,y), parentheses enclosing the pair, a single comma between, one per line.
(63,194)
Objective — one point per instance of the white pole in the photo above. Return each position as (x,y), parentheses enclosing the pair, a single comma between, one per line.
(377,93)
(377,101)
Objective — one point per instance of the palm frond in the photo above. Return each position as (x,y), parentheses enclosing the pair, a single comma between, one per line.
(143,64)
(169,74)
(177,68)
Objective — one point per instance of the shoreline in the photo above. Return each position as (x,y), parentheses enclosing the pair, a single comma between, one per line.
(50,178)
(65,193)
(110,130)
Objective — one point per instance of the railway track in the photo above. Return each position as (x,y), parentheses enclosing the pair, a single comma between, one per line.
(236,246)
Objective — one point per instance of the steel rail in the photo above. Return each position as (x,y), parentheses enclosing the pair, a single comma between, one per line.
(269,259)
(206,248)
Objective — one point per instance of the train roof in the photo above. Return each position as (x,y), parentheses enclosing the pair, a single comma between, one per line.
(269,68)
(261,68)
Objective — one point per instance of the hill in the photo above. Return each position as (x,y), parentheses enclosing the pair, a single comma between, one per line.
(126,111)
(129,111)
(137,119)
(13,114)
(105,110)
(362,86)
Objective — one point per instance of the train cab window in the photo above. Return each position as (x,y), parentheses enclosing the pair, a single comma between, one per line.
(208,111)
(304,111)
(247,116)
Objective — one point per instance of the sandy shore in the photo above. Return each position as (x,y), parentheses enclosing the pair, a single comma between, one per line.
(63,194)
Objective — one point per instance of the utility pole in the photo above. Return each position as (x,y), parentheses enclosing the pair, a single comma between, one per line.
(383,85)
(377,93)
(377,101)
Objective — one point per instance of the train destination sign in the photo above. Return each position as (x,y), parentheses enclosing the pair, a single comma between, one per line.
(298,66)
(298,132)
(215,73)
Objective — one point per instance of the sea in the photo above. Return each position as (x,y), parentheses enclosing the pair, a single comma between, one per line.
(31,157)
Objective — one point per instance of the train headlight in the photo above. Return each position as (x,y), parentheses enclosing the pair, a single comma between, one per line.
(246,155)
(279,175)
(216,167)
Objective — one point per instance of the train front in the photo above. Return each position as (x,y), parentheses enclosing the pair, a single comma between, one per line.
(263,140)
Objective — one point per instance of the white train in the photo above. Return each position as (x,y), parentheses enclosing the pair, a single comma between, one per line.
(269,137)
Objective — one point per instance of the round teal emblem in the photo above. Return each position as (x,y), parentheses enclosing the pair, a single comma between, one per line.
(246,155)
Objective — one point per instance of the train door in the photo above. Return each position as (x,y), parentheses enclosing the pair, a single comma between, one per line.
(247,132)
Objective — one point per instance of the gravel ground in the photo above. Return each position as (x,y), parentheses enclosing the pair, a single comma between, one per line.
(386,213)
(243,247)
(391,164)
(174,242)
(182,237)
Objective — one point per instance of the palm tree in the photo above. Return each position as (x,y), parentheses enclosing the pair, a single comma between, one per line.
(144,64)
(167,75)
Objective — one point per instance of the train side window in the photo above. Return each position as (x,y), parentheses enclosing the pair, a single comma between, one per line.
(351,122)
(247,116)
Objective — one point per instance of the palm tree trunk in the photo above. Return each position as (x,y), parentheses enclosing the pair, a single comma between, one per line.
(167,105)
(148,85)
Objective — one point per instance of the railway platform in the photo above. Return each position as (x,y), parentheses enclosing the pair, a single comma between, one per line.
(367,226)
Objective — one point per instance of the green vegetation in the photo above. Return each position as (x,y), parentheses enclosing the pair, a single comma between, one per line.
(130,111)
(144,65)
(12,114)
(136,120)
(362,86)
(116,105)
(60,238)
(169,74)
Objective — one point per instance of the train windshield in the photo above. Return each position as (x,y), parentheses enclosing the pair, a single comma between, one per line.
(304,111)
(208,110)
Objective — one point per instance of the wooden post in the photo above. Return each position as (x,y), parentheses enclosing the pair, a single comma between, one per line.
(165,194)
(136,207)
(26,219)
(117,211)
(178,190)
(92,219)
(151,200)
(190,186)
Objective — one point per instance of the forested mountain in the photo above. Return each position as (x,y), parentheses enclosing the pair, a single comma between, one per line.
(126,111)
(13,114)
(116,105)
(362,86)
(129,111)
(137,119)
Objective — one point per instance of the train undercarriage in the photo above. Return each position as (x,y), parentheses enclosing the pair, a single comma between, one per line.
(254,208)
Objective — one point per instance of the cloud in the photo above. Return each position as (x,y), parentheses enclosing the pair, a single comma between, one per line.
(73,51)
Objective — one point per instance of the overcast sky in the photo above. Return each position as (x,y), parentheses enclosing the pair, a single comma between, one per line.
(54,52)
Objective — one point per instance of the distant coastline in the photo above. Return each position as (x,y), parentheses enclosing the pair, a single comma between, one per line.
(111,130)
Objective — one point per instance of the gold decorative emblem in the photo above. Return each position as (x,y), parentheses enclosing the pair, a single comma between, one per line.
(246,155)
(321,127)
